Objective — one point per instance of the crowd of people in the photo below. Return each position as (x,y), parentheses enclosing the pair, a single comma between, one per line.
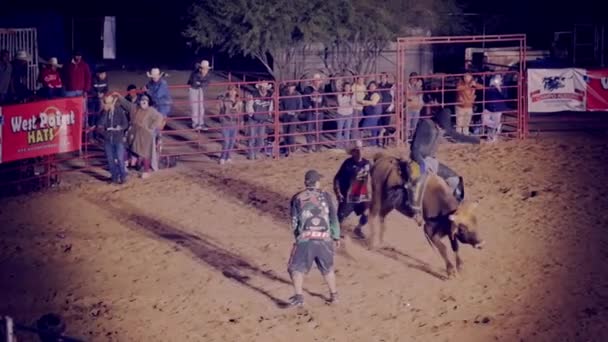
(361,111)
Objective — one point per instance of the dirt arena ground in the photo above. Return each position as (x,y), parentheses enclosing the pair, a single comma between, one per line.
(199,253)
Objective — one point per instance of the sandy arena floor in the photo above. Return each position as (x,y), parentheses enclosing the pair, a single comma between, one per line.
(199,253)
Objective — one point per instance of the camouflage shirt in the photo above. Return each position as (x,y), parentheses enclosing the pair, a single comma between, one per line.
(313,216)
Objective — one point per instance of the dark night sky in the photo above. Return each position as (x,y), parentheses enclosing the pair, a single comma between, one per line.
(153,27)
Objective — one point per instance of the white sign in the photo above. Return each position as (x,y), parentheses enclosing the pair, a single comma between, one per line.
(556,90)
(1,123)
(109,38)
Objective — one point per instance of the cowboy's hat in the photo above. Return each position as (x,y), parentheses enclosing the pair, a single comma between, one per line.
(22,55)
(205,64)
(263,85)
(54,62)
(155,72)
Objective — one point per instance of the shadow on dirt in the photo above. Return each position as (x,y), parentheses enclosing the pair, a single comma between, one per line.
(231,265)
(411,262)
(277,206)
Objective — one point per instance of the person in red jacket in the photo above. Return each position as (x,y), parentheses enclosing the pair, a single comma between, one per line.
(77,77)
(52,86)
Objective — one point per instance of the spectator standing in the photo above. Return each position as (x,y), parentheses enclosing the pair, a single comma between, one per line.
(386,93)
(346,109)
(6,70)
(159,97)
(372,111)
(496,99)
(158,89)
(19,76)
(145,122)
(112,125)
(259,112)
(50,79)
(100,89)
(231,107)
(466,98)
(291,107)
(414,100)
(131,93)
(314,102)
(360,90)
(77,77)
(198,82)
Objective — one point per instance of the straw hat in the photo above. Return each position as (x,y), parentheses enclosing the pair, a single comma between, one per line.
(263,85)
(155,73)
(205,64)
(22,55)
(54,62)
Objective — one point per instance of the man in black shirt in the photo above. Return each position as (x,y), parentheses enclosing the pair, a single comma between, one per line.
(352,188)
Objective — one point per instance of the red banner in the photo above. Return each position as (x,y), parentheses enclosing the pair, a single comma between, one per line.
(597,90)
(40,128)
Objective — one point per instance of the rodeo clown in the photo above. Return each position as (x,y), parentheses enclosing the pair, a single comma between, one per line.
(352,188)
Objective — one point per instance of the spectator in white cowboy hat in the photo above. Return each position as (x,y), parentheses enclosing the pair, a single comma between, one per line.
(314,101)
(158,89)
(50,79)
(259,108)
(19,76)
(6,69)
(160,96)
(198,82)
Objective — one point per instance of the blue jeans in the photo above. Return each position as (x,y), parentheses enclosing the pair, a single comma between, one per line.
(344,124)
(73,93)
(413,116)
(115,152)
(229,134)
(372,122)
(256,130)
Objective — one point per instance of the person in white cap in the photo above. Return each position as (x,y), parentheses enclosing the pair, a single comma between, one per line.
(198,82)
(50,79)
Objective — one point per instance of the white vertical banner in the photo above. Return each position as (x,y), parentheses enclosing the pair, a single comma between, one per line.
(1,129)
(556,90)
(109,38)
